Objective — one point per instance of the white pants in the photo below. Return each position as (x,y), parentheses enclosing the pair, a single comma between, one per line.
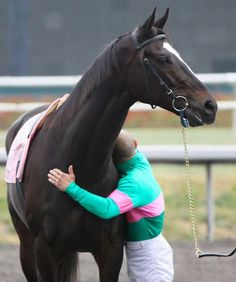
(150,260)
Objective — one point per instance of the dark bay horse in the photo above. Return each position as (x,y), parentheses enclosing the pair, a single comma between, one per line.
(138,66)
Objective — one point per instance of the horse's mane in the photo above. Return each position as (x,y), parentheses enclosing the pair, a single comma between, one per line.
(103,67)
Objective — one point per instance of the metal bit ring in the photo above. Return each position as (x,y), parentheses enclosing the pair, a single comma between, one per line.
(186,104)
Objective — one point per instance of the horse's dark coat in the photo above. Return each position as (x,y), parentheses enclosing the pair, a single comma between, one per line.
(82,132)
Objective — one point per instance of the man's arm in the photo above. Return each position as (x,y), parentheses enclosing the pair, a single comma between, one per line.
(103,207)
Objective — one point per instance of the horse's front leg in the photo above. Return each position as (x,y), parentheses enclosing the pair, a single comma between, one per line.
(54,264)
(45,260)
(109,259)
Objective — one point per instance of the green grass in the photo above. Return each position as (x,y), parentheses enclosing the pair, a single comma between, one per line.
(200,135)
(7,233)
(173,180)
(2,138)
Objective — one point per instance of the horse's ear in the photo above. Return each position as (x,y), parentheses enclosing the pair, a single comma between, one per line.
(146,27)
(162,21)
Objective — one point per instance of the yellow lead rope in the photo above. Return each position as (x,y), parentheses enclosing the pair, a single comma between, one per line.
(198,252)
(190,194)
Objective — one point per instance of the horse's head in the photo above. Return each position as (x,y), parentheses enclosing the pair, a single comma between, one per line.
(158,75)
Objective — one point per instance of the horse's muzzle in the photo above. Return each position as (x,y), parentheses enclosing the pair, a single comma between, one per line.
(202,115)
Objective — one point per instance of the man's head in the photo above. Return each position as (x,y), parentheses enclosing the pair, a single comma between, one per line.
(125,147)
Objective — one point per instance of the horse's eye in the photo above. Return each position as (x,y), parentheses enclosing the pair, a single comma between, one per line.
(164,61)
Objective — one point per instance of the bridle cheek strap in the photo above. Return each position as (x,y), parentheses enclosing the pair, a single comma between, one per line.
(148,67)
(165,87)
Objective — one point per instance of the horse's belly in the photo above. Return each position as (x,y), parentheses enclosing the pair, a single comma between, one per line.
(88,231)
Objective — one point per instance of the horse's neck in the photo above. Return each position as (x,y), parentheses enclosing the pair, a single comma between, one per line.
(96,124)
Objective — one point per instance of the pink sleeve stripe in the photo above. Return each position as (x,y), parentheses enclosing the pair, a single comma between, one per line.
(155,208)
(122,200)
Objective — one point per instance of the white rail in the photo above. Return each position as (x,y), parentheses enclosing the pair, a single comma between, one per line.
(198,154)
(54,81)
(38,81)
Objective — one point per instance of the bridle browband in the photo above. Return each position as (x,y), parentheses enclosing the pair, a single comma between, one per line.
(148,41)
(148,67)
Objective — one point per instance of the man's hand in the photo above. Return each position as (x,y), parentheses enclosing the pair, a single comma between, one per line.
(60,179)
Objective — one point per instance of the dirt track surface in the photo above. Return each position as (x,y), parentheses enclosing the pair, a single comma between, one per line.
(187,267)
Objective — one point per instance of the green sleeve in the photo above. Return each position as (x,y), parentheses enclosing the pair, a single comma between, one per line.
(103,207)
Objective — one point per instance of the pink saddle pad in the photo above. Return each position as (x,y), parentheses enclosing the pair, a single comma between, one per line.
(18,152)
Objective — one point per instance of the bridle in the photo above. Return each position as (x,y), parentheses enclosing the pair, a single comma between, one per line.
(184,122)
(147,66)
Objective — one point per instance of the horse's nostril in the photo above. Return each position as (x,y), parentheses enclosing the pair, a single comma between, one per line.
(210,105)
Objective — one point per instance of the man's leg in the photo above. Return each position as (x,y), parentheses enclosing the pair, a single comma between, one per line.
(150,260)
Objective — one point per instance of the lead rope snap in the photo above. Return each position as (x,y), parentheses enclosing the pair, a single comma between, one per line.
(184,121)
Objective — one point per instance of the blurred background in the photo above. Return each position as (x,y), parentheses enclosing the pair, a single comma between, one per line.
(57,37)
(46,45)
